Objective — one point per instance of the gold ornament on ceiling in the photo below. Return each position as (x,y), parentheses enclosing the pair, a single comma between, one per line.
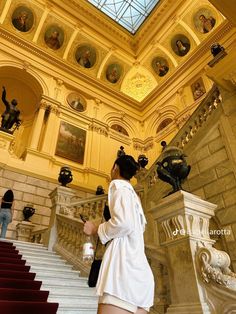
(138,86)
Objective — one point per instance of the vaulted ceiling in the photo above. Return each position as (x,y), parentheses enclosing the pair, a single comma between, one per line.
(77,34)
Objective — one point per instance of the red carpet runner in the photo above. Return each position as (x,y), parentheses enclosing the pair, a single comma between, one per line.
(19,292)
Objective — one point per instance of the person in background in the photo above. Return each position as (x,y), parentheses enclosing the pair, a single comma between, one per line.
(106,212)
(125,282)
(6,211)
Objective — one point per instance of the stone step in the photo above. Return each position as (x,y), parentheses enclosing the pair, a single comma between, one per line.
(48,265)
(42,259)
(57,273)
(63,282)
(75,310)
(36,251)
(79,301)
(67,291)
(50,274)
(29,245)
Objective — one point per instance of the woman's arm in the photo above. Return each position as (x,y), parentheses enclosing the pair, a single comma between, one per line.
(121,222)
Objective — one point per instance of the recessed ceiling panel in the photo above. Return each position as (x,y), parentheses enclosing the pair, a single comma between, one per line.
(128,13)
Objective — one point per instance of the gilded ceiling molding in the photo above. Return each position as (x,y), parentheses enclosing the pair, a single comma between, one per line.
(190,31)
(5,10)
(70,68)
(70,43)
(104,61)
(93,19)
(202,50)
(138,83)
(163,12)
(41,23)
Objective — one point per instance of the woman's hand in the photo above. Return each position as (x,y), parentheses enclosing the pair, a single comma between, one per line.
(90,228)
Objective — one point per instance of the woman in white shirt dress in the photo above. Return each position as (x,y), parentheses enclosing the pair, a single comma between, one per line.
(125,282)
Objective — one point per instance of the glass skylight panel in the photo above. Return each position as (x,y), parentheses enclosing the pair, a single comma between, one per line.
(128,13)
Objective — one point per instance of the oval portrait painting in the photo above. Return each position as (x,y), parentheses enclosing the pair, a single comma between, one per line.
(54,37)
(204,21)
(23,19)
(180,45)
(113,73)
(76,101)
(160,66)
(85,56)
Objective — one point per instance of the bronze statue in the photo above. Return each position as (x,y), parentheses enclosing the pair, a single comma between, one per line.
(10,116)
(120,152)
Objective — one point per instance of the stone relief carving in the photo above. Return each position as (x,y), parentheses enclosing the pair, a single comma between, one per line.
(214,267)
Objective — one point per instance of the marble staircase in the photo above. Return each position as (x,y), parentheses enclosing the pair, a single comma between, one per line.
(64,284)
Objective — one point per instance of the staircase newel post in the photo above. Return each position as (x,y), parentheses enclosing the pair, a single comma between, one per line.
(61,199)
(182,221)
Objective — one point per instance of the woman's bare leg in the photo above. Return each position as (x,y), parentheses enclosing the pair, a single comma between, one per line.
(112,309)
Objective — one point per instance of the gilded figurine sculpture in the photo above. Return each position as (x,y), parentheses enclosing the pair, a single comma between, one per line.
(10,117)
(173,168)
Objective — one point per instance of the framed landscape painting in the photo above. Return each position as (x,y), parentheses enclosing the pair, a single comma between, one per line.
(71,142)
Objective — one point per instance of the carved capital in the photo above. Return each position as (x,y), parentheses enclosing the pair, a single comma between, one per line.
(98,128)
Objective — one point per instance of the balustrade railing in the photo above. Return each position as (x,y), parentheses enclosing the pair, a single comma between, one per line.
(189,129)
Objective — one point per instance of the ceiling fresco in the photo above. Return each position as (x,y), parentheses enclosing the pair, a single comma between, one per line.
(71,32)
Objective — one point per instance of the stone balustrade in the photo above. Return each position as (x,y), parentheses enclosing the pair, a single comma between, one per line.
(189,129)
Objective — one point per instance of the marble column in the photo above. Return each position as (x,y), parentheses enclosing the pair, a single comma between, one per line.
(50,133)
(182,220)
(37,126)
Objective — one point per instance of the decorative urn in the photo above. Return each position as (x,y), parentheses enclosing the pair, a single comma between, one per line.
(28,211)
(142,161)
(173,167)
(216,49)
(65,175)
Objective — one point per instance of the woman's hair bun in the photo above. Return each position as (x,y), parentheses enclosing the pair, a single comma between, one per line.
(127,165)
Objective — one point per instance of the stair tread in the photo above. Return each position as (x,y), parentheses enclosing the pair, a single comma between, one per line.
(65,285)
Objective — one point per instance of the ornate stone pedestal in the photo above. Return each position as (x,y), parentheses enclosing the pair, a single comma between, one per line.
(61,198)
(182,221)
(5,140)
(24,230)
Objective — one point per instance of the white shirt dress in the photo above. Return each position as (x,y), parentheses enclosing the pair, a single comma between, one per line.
(125,272)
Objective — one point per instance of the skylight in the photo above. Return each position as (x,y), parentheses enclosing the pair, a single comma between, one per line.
(128,13)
